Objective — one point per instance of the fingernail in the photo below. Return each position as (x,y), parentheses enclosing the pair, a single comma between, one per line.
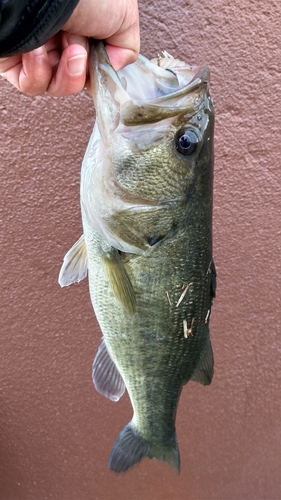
(76,65)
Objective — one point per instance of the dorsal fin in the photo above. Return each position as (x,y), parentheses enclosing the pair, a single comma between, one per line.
(205,370)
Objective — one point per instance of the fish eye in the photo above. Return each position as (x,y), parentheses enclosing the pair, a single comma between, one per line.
(186,142)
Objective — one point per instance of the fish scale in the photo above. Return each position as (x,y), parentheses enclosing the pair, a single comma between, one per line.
(146,202)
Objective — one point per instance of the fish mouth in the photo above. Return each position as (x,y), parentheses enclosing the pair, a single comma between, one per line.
(146,91)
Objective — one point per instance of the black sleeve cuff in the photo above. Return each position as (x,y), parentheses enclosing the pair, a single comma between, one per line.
(24,28)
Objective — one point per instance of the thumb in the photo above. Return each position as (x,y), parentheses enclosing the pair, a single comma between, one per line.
(71,72)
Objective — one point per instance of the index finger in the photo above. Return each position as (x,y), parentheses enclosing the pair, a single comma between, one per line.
(120,57)
(123,46)
(7,63)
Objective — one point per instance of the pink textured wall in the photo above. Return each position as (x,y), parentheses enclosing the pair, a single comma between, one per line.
(56,432)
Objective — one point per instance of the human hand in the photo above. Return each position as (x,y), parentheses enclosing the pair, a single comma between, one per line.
(60,67)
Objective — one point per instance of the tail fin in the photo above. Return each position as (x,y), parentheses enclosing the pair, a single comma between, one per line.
(130,447)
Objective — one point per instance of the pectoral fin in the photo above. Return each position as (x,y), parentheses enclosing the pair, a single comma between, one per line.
(205,371)
(119,280)
(75,262)
(106,377)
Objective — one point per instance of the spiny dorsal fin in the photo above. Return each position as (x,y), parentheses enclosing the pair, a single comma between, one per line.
(119,280)
(205,371)
(106,377)
(75,262)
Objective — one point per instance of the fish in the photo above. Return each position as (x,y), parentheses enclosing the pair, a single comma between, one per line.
(146,204)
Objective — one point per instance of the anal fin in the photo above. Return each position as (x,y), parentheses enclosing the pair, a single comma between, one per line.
(106,377)
(75,264)
(119,280)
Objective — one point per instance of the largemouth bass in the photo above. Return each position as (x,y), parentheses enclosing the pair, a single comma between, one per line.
(146,202)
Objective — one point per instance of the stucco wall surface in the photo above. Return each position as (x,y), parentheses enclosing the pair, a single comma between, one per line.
(56,432)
